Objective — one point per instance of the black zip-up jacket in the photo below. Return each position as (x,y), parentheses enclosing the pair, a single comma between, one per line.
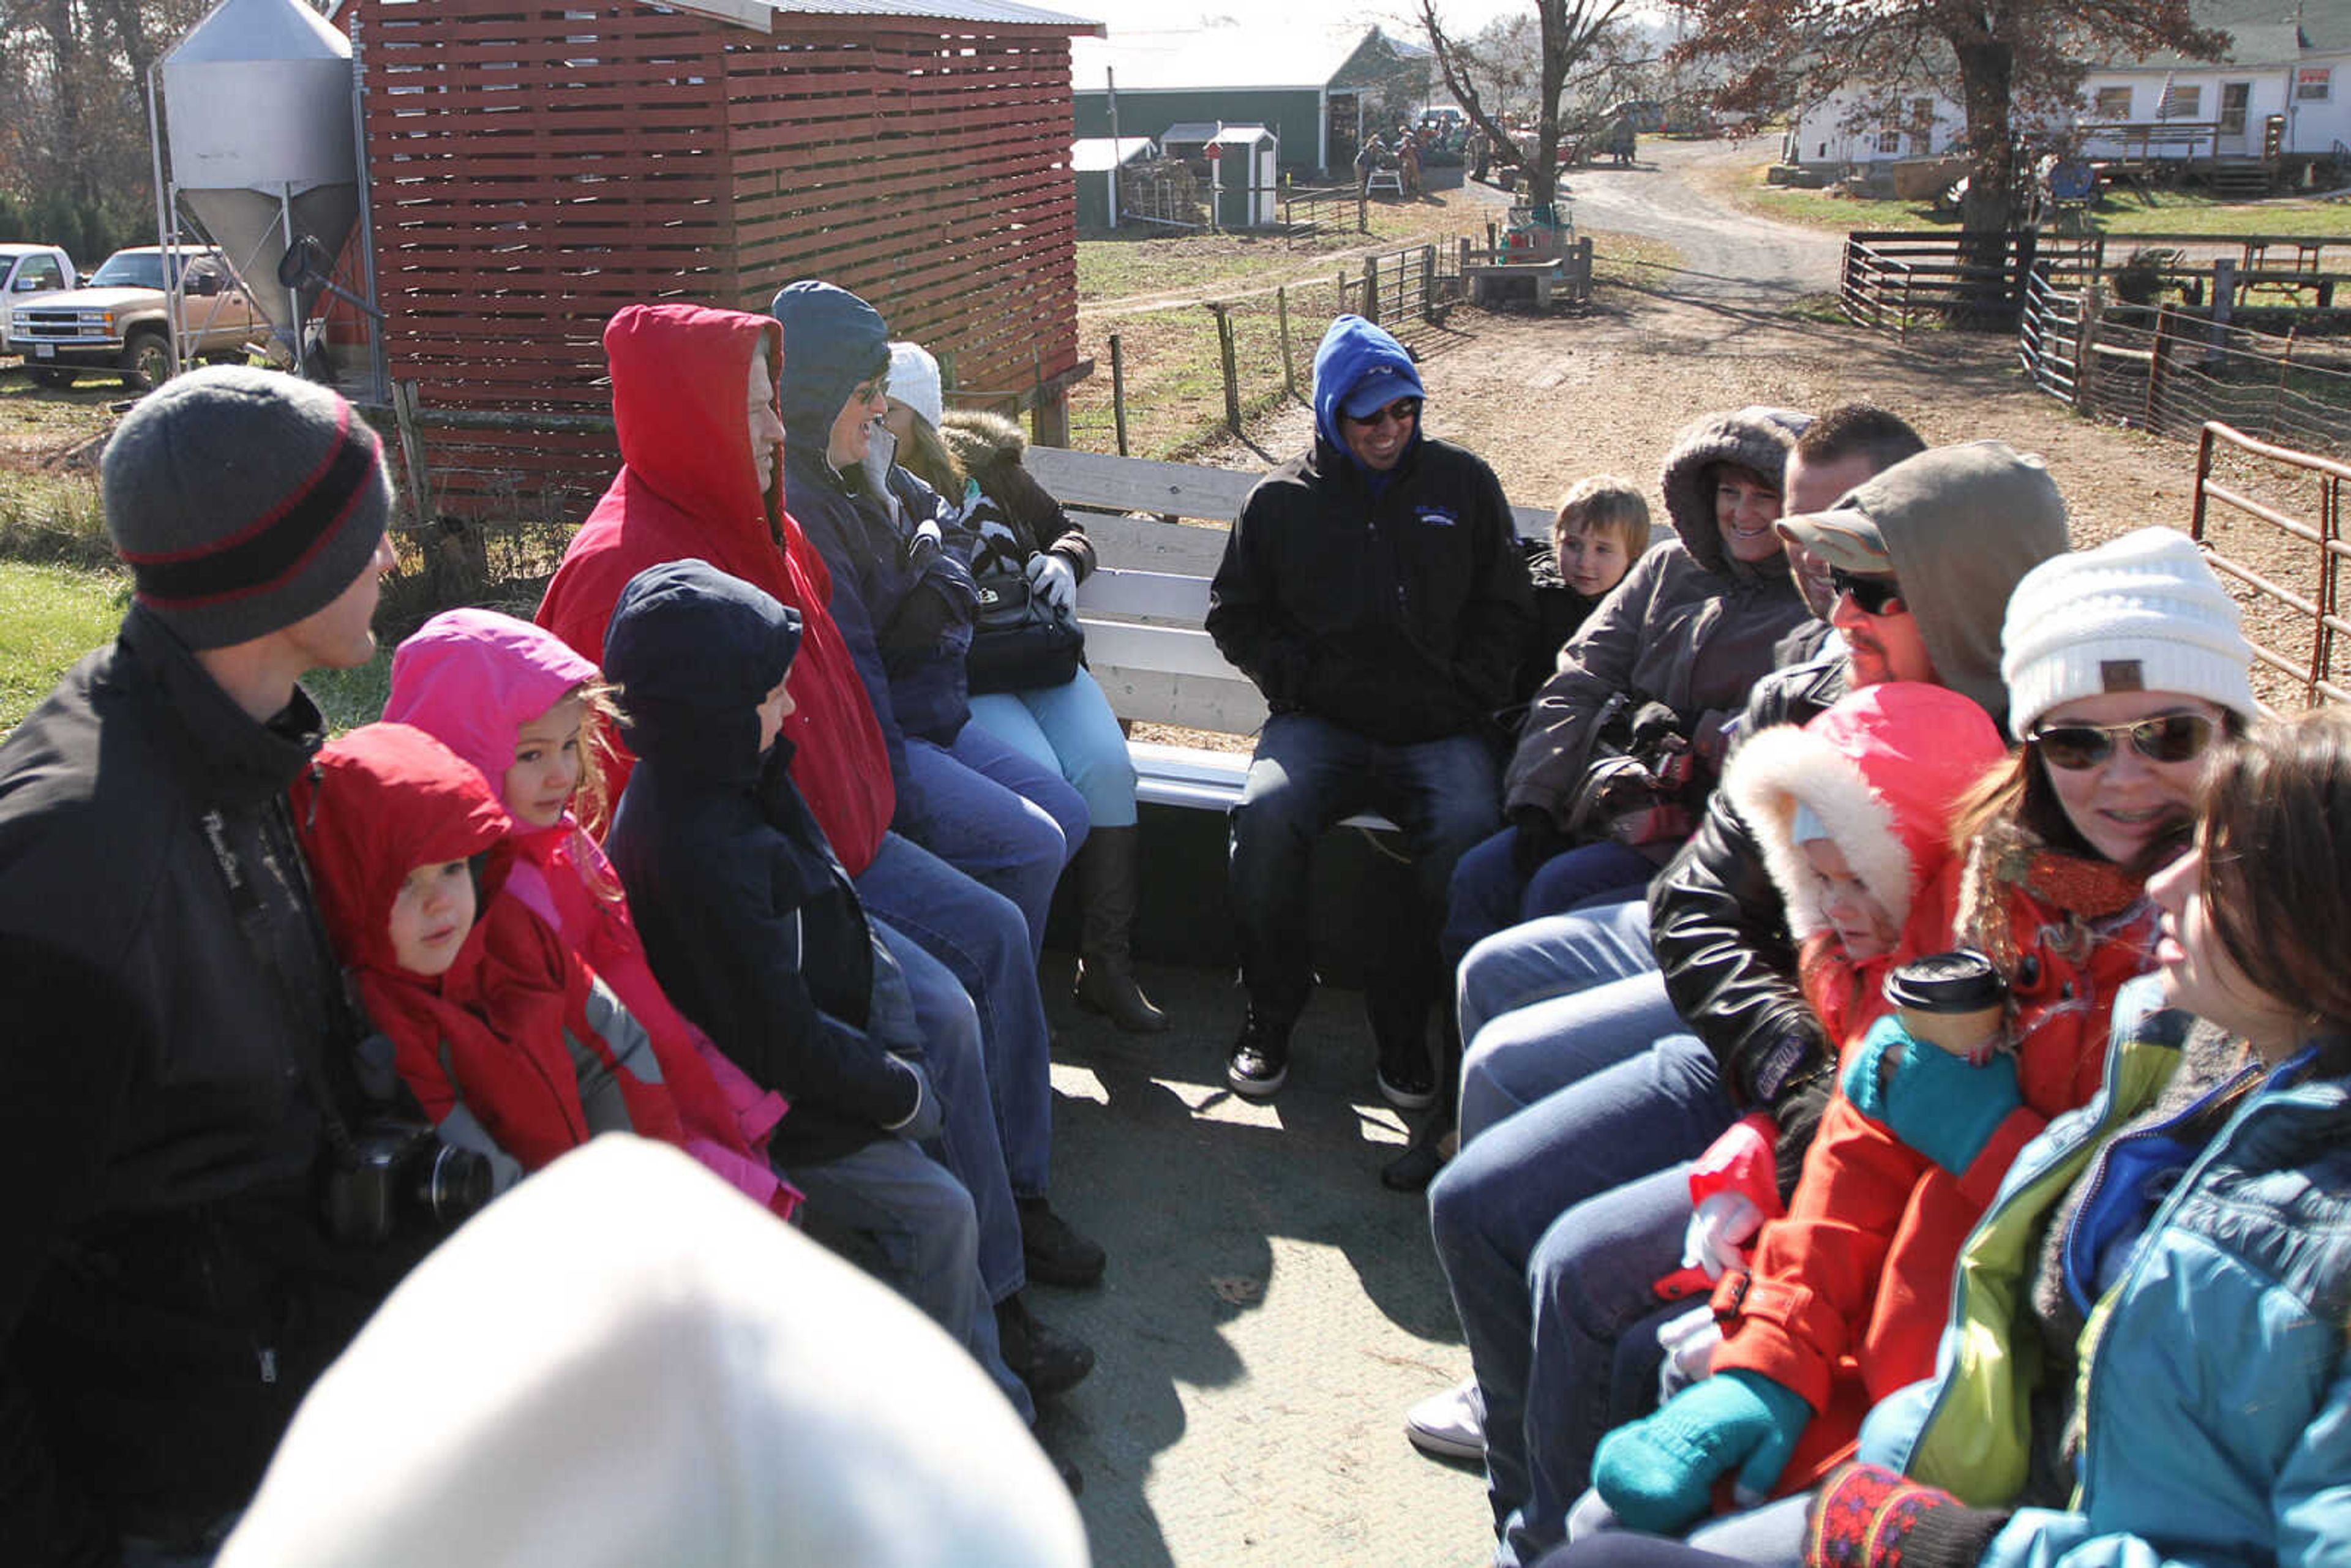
(1720,930)
(1401,615)
(752,926)
(169,1292)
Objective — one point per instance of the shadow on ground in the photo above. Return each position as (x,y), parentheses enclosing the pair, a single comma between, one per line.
(1271,1310)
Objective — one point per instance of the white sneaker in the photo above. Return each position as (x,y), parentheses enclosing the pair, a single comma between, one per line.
(1451,1424)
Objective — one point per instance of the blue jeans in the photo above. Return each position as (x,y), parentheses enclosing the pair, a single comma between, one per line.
(982,938)
(1555,957)
(1771,1535)
(999,819)
(1069,727)
(968,1144)
(1309,774)
(1552,1228)
(906,1219)
(1488,895)
(1533,1052)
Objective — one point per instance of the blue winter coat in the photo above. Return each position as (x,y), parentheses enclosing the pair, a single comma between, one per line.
(2216,1393)
(905,611)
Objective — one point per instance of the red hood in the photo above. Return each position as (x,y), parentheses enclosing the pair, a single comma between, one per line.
(373,807)
(679,376)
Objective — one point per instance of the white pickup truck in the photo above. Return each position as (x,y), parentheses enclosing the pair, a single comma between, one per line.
(28,272)
(116,321)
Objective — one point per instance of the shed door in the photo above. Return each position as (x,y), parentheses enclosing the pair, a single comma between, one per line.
(2236,102)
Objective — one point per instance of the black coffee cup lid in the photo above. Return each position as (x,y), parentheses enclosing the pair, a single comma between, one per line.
(1961,982)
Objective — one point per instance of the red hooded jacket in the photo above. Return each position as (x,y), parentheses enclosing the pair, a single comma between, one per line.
(688,490)
(515,1030)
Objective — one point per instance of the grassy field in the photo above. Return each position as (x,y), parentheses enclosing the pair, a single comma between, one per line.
(57,614)
(2120,212)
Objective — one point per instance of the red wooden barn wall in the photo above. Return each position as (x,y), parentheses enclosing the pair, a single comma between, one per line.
(536,168)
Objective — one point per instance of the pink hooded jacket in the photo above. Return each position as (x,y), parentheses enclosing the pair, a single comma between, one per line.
(473,678)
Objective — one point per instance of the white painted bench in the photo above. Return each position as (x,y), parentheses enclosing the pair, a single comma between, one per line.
(1144,606)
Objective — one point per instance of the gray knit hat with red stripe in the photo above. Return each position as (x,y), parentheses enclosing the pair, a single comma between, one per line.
(242,500)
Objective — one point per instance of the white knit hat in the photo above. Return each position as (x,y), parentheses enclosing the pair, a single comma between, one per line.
(914,381)
(2140,613)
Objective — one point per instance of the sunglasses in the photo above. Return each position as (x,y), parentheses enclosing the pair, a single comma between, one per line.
(2167,737)
(1404,410)
(866,391)
(1874,595)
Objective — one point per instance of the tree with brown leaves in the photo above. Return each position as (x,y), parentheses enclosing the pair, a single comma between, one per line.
(1570,33)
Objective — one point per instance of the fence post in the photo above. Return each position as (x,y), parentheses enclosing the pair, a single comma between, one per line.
(1428,283)
(411,449)
(2085,350)
(2162,350)
(2285,373)
(1464,256)
(1232,374)
(1372,289)
(1363,207)
(1583,270)
(1118,390)
(2224,306)
(1288,365)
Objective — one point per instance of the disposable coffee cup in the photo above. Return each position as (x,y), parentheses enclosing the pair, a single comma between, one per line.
(1955,1001)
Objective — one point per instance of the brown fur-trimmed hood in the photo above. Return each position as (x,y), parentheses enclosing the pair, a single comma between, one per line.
(1753,437)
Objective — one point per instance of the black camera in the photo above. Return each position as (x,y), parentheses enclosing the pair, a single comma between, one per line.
(401,1173)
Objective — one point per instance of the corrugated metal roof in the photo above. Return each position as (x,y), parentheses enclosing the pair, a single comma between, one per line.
(754,13)
(1260,57)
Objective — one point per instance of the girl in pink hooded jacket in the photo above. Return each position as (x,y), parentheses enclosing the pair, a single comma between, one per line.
(514,701)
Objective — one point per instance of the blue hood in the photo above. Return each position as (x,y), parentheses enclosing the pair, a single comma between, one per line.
(1352,350)
(695,652)
(832,340)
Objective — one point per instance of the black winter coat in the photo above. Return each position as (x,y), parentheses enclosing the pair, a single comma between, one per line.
(169,1293)
(1401,615)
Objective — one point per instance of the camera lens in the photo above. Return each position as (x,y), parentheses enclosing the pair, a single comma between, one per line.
(452,1183)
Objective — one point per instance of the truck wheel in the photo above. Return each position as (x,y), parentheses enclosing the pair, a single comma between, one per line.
(146,362)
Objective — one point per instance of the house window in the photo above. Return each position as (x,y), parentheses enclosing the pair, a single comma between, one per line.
(2236,98)
(2314,84)
(2181,102)
(1922,127)
(1889,140)
(2112,103)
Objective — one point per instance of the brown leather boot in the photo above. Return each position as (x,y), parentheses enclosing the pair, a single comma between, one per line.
(1110,882)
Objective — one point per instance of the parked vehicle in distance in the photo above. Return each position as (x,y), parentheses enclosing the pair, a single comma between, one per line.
(27,272)
(117,321)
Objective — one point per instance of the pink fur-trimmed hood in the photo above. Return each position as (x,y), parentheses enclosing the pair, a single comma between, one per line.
(1883,770)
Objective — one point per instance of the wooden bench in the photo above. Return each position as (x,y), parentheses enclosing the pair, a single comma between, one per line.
(1144,606)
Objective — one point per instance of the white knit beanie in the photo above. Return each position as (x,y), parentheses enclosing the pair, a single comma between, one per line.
(2140,613)
(914,381)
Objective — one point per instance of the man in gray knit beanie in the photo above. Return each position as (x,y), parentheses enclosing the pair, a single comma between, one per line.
(179,1065)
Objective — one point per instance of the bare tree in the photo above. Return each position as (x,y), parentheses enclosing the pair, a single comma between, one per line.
(2007,56)
(1569,33)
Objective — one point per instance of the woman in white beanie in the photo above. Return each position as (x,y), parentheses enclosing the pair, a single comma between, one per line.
(1018,531)
(2124,667)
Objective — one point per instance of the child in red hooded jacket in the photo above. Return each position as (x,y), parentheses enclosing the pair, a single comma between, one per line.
(499,1031)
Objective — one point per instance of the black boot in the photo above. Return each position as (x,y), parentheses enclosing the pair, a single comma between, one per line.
(1260,1063)
(1054,1251)
(1047,1359)
(1110,887)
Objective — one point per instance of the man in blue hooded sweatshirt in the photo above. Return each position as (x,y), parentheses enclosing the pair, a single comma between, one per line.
(1373,590)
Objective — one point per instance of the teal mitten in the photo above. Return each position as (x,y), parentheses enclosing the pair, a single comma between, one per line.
(1657,1474)
(1936,1103)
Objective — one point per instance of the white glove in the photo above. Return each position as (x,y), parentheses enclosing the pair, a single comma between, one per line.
(1689,1342)
(1054,579)
(1719,1227)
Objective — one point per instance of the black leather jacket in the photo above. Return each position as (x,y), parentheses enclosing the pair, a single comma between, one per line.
(1721,934)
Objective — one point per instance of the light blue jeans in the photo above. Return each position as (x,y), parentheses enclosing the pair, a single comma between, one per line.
(999,818)
(1069,727)
(903,1218)
(968,1143)
(982,938)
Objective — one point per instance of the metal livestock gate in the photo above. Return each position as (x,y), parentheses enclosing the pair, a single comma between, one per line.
(533,169)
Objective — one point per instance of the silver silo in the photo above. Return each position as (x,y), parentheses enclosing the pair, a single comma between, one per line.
(259,121)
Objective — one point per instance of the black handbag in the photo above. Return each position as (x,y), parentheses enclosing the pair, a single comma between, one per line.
(1019,642)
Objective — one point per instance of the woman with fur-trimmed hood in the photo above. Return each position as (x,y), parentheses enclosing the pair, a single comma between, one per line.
(1673,649)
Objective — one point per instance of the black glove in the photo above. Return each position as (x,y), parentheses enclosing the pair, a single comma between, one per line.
(1536,839)
(1653,722)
